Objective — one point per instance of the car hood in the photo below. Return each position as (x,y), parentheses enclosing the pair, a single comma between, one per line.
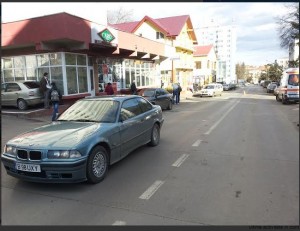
(58,134)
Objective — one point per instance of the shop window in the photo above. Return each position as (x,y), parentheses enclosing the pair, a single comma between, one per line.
(55,59)
(81,60)
(43,60)
(19,74)
(31,75)
(7,62)
(30,61)
(82,79)
(71,80)
(57,77)
(8,75)
(19,62)
(70,59)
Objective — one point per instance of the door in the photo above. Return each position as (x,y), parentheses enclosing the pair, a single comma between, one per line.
(91,81)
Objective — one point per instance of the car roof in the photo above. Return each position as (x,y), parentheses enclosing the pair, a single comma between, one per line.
(119,98)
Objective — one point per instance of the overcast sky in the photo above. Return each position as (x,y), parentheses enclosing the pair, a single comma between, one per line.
(257,37)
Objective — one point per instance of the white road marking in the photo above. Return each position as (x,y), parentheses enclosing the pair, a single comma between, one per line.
(151,190)
(219,121)
(296,109)
(196,144)
(119,223)
(180,160)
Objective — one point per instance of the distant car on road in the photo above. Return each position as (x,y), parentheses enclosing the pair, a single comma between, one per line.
(271,87)
(21,94)
(211,89)
(89,136)
(158,96)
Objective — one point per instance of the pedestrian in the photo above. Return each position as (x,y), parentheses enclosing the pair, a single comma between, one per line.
(109,89)
(133,88)
(175,93)
(55,97)
(45,89)
(179,90)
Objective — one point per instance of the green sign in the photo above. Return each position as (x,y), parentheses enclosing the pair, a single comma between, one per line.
(106,35)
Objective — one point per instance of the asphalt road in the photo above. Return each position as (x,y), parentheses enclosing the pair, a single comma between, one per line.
(229,160)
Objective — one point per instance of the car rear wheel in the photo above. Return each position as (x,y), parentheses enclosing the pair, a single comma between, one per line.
(170,105)
(155,135)
(97,165)
(277,98)
(283,100)
(22,105)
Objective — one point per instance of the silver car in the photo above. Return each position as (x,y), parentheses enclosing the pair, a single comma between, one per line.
(89,136)
(21,94)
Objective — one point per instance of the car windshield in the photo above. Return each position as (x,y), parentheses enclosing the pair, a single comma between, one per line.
(102,111)
(149,93)
(294,80)
(209,87)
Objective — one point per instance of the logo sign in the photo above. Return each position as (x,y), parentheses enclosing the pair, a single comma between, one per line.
(106,35)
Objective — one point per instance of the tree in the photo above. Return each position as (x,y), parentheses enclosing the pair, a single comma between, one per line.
(274,72)
(240,70)
(119,15)
(289,25)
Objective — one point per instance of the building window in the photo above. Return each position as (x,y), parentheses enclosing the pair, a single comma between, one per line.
(159,35)
(198,65)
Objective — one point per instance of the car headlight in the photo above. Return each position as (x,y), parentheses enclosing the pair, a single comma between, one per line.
(65,154)
(11,150)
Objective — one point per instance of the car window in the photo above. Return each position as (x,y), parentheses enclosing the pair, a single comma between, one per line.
(130,108)
(144,104)
(11,87)
(149,93)
(32,85)
(293,80)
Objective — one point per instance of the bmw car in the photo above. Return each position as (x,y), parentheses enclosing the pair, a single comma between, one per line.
(87,138)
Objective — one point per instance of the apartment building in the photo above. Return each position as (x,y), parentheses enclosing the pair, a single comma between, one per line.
(224,40)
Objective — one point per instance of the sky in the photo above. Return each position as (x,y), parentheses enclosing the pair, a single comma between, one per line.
(257,36)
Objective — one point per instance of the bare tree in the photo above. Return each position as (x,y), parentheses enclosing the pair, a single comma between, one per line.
(289,25)
(119,15)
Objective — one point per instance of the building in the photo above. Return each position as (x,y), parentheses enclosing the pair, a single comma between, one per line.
(81,56)
(205,63)
(294,50)
(176,32)
(224,40)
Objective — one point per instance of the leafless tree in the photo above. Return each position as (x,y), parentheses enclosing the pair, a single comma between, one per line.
(288,25)
(119,15)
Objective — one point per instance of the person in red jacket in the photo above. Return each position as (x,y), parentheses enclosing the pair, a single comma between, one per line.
(109,89)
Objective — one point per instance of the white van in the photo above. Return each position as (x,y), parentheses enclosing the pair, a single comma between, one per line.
(211,89)
(288,90)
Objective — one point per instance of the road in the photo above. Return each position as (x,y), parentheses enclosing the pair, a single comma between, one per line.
(229,160)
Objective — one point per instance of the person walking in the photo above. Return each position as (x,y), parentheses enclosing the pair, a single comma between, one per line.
(109,89)
(175,93)
(179,90)
(45,89)
(55,97)
(133,88)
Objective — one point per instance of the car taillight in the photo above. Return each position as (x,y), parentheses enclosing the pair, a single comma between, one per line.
(31,93)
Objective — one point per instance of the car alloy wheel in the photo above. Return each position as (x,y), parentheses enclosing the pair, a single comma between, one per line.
(97,165)
(22,105)
(155,135)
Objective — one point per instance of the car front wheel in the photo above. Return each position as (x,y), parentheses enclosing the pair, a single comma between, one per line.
(97,165)
(155,135)
(22,105)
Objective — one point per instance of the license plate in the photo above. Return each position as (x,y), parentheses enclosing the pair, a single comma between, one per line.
(28,167)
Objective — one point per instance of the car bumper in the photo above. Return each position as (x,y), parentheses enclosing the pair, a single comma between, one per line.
(62,172)
(292,97)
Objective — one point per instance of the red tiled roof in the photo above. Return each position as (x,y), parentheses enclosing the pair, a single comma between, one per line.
(172,26)
(202,50)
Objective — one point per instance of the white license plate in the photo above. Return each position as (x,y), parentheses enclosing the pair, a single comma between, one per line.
(28,167)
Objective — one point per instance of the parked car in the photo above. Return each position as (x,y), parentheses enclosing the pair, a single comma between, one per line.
(226,87)
(211,89)
(276,90)
(90,135)
(21,94)
(158,96)
(288,90)
(265,83)
(271,87)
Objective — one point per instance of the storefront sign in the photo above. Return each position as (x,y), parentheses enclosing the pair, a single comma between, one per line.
(106,35)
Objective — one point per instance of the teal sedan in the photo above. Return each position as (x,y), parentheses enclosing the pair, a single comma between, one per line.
(87,138)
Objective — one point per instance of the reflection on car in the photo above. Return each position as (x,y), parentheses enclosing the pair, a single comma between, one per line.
(89,136)
(21,94)
(158,96)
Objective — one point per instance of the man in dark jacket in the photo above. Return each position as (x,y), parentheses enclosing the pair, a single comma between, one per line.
(133,88)
(45,89)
